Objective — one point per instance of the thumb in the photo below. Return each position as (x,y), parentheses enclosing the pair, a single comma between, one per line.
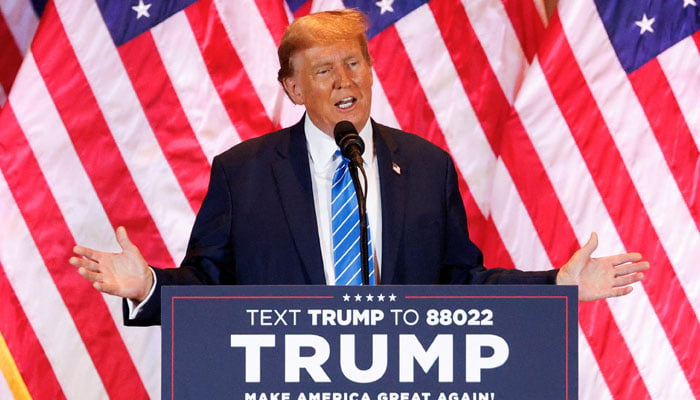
(123,238)
(590,246)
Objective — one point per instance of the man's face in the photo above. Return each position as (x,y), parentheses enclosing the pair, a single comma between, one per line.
(333,82)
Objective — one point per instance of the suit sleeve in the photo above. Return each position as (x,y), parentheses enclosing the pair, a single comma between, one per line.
(463,262)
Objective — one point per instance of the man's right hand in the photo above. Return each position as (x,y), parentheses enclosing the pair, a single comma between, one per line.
(124,274)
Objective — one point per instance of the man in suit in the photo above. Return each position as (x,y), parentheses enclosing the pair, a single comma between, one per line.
(266,217)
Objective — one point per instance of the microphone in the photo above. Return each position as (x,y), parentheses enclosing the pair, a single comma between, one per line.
(349,141)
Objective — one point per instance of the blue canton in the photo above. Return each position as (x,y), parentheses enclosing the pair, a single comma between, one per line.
(379,20)
(121,18)
(641,30)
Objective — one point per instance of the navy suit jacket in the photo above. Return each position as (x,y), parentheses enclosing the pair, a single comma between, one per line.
(257,224)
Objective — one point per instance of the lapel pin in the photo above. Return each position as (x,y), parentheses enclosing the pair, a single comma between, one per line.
(396,168)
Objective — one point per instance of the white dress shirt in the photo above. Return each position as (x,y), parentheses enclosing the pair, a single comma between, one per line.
(323,162)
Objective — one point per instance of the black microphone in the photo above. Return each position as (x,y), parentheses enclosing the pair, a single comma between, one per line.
(351,144)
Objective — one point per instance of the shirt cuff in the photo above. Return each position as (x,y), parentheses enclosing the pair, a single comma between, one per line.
(135,309)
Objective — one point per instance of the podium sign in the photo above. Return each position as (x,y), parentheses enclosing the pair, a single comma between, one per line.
(369,342)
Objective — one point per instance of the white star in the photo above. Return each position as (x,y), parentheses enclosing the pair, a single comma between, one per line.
(385,6)
(687,3)
(346,297)
(358,297)
(142,10)
(645,24)
(370,297)
(392,297)
(380,297)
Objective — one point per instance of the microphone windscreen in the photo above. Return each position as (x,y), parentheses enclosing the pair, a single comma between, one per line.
(342,129)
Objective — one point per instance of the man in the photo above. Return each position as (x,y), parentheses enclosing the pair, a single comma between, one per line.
(267,218)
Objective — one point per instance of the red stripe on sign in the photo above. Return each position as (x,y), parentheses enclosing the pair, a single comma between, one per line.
(621,199)
(671,131)
(227,72)
(166,116)
(414,114)
(55,242)
(93,141)
(528,25)
(35,368)
(11,56)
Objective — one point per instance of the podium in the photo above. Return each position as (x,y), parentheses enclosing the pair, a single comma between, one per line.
(370,342)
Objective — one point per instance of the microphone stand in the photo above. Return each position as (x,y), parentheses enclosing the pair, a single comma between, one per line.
(362,209)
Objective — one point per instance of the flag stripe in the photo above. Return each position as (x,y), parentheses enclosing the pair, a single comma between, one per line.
(611,89)
(22,21)
(519,156)
(679,149)
(118,122)
(680,64)
(230,79)
(519,151)
(247,32)
(95,325)
(415,114)
(16,329)
(166,116)
(527,23)
(88,223)
(625,207)
(621,372)
(66,68)
(565,164)
(275,18)
(195,90)
(11,55)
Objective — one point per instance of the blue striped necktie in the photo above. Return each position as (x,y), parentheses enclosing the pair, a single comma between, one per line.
(345,222)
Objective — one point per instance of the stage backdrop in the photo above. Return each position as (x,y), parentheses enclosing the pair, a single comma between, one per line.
(585,121)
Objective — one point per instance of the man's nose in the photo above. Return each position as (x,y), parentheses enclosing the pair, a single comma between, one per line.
(342,78)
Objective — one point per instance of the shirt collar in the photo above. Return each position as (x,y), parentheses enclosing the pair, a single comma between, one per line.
(322,147)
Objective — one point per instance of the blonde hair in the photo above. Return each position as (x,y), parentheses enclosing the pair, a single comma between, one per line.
(321,28)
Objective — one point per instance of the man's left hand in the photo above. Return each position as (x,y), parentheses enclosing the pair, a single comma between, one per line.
(600,278)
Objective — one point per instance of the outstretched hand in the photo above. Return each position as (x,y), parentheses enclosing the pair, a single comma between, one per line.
(124,274)
(600,278)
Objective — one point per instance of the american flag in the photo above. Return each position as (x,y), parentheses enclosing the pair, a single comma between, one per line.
(585,120)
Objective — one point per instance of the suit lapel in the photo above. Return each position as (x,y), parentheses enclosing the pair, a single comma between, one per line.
(293,179)
(392,179)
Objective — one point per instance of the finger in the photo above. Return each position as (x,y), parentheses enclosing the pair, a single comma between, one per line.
(90,275)
(123,238)
(86,252)
(84,263)
(623,258)
(621,291)
(107,287)
(590,246)
(625,269)
(626,280)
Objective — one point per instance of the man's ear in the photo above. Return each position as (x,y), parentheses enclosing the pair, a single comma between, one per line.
(293,90)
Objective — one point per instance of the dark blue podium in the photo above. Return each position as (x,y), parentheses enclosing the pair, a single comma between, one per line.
(369,342)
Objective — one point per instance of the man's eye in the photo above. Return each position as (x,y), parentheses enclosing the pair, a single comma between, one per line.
(323,71)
